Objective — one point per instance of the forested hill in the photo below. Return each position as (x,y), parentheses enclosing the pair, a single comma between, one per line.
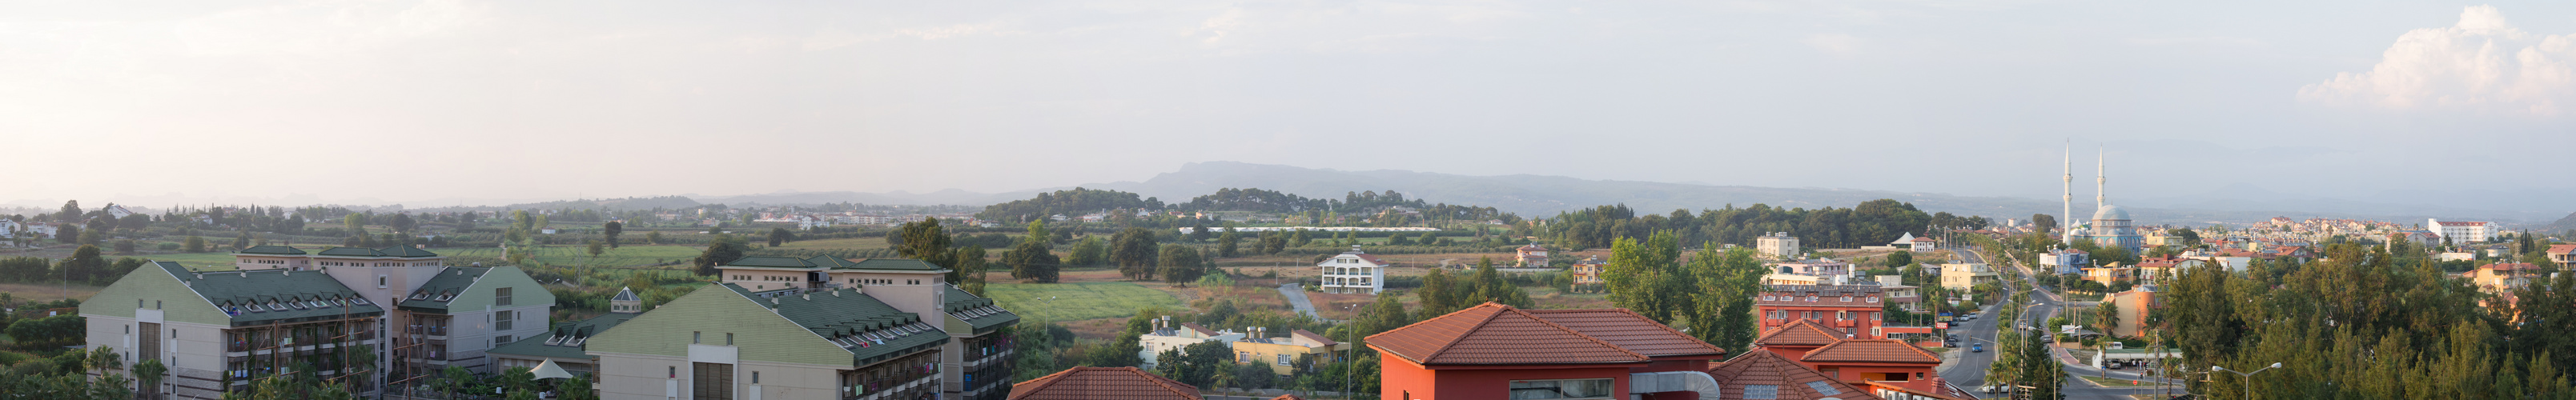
(1537,196)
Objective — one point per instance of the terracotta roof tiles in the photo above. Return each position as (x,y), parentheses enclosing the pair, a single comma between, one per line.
(1871,351)
(1080,383)
(1785,377)
(1628,330)
(1492,333)
(1802,332)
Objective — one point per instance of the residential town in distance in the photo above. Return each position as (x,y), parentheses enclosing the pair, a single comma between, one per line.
(1367,296)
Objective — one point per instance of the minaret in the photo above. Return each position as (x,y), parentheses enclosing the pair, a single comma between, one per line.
(2099,180)
(2066,220)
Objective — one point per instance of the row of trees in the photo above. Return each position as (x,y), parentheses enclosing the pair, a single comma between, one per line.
(1871,223)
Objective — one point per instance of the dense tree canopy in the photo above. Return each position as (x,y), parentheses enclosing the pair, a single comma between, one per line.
(1872,223)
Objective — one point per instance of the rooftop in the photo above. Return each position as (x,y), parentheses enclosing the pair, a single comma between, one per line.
(266,295)
(1790,380)
(449,283)
(566,340)
(1083,383)
(1496,334)
(1801,332)
(867,328)
(1871,351)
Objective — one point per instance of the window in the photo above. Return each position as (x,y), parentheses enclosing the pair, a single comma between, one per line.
(1761,391)
(675,372)
(1846,298)
(694,336)
(1873,299)
(728,339)
(1243,356)
(156,304)
(501,297)
(1562,389)
(1822,388)
(380,281)
(501,320)
(1283,359)
(755,377)
(497,341)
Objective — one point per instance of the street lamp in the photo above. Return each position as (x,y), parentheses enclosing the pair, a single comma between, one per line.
(2249,376)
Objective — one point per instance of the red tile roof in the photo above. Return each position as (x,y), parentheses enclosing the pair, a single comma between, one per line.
(2508,266)
(1802,332)
(1490,334)
(1079,383)
(1871,351)
(1328,342)
(1628,330)
(1789,378)
(2562,248)
(1291,396)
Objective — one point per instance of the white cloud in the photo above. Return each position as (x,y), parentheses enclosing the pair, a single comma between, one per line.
(2483,63)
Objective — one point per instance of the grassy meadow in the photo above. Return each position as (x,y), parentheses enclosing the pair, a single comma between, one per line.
(1078,301)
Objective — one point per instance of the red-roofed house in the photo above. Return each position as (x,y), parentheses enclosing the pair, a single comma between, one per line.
(1531,256)
(1353,272)
(1765,375)
(1084,383)
(1494,351)
(1887,365)
(2564,255)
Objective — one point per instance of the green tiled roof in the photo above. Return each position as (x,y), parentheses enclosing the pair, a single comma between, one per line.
(770,262)
(968,307)
(843,313)
(351,251)
(251,296)
(827,261)
(279,250)
(894,264)
(404,251)
(569,338)
(433,296)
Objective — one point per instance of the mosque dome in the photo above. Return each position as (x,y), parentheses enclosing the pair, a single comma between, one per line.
(2111,212)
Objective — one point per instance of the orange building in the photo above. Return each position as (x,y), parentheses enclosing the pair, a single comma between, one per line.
(1852,309)
(1494,351)
(1766,375)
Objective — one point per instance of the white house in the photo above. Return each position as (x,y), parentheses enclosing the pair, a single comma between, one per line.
(1777,245)
(1167,336)
(2066,261)
(1354,272)
(2461,232)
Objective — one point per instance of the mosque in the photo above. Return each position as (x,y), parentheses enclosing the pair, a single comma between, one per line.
(2110,226)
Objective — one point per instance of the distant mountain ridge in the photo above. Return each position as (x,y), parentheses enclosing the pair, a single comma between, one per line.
(1541,196)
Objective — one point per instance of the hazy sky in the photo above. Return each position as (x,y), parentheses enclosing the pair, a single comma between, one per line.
(368,101)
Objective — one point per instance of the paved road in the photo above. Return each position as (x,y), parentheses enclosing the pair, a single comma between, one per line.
(1297,298)
(1970,371)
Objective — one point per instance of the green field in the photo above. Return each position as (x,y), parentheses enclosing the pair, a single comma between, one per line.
(830,244)
(1078,301)
(200,261)
(565,255)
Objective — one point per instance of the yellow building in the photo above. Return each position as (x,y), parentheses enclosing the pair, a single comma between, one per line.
(1281,353)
